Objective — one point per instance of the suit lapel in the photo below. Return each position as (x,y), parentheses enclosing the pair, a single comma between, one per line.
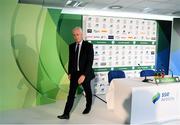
(74,48)
(82,50)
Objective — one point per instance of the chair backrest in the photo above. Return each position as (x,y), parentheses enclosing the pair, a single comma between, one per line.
(147,73)
(115,74)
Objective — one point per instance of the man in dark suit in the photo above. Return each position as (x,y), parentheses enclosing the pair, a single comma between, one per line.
(80,71)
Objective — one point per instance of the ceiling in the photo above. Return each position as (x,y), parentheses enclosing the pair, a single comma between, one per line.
(158,7)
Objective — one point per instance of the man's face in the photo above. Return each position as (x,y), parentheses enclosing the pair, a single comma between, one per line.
(77,35)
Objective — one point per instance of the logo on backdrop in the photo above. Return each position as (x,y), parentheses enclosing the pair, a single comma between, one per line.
(156,97)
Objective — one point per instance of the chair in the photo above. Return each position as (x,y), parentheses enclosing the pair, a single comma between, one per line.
(148,72)
(115,74)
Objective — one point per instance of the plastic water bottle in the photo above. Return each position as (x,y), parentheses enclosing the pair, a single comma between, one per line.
(162,73)
(159,74)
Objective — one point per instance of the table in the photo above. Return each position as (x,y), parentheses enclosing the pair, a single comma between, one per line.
(136,102)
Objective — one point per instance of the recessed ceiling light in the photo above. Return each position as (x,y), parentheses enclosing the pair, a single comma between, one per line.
(147,10)
(75,3)
(115,7)
(68,2)
(72,3)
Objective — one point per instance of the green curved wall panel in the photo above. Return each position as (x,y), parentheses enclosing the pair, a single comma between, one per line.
(34,54)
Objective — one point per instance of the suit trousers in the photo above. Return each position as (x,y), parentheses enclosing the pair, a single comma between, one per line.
(72,91)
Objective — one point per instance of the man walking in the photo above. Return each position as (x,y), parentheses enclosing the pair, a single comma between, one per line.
(80,71)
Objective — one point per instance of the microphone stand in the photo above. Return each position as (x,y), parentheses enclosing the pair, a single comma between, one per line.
(171,73)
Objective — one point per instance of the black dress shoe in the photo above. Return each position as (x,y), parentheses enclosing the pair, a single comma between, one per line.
(64,116)
(86,111)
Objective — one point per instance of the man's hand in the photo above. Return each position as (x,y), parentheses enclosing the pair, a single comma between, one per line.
(81,79)
(69,76)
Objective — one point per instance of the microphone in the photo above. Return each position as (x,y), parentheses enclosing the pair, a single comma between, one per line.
(145,77)
(168,70)
(171,73)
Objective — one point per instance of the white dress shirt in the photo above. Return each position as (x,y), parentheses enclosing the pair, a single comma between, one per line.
(80,44)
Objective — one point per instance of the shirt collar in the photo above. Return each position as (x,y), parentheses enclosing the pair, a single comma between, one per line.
(80,43)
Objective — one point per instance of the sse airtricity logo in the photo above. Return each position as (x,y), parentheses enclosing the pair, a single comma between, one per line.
(156,98)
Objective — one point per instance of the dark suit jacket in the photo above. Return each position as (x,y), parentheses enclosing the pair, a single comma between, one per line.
(85,60)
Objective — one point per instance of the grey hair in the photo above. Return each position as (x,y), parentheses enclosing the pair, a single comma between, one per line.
(77,28)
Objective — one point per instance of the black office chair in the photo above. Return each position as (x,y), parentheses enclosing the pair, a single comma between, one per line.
(115,74)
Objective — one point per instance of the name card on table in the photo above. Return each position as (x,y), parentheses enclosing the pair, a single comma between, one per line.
(167,80)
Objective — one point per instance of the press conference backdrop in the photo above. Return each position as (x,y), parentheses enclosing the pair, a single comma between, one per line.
(34,53)
(120,44)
